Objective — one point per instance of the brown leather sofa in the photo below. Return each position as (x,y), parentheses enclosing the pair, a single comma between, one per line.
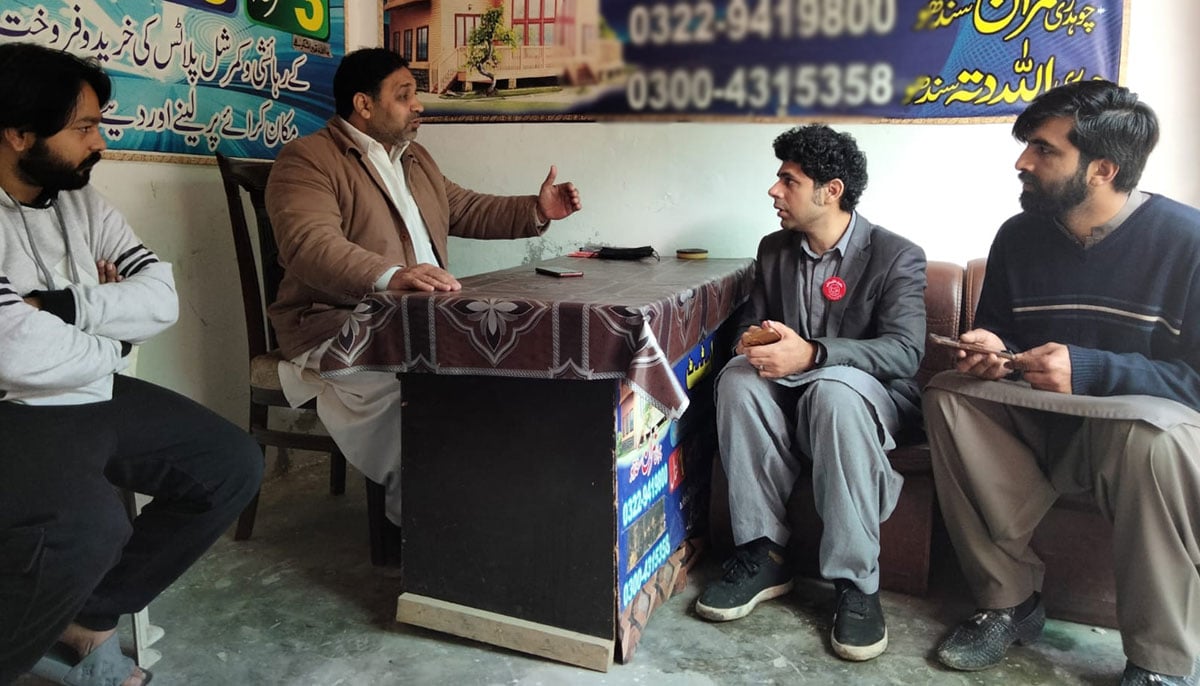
(1074,540)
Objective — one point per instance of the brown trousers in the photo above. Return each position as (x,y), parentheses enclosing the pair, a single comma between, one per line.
(1003,453)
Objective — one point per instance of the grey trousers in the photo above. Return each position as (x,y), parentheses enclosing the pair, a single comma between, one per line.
(999,467)
(843,422)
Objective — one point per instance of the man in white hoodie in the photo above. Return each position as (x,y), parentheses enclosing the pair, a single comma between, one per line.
(77,291)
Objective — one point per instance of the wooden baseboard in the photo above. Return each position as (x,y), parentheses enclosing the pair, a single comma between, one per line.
(581,650)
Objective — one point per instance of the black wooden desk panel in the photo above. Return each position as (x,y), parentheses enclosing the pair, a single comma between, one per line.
(508,497)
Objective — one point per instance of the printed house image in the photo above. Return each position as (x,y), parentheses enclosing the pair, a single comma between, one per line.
(559,42)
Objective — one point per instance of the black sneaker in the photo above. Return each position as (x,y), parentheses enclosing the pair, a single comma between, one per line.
(1136,676)
(757,572)
(859,630)
(982,640)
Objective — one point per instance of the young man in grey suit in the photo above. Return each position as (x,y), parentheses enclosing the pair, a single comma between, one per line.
(847,300)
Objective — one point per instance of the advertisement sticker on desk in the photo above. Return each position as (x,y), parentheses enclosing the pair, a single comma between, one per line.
(647,529)
(633,582)
(660,486)
(699,364)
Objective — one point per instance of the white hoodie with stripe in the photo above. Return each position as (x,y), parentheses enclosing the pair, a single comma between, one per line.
(67,352)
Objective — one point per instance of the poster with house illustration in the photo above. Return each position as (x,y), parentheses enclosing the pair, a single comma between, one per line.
(544,56)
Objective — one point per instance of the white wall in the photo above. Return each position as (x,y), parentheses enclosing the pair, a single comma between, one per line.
(667,185)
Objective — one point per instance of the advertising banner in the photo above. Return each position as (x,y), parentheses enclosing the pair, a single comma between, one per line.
(753,59)
(197,76)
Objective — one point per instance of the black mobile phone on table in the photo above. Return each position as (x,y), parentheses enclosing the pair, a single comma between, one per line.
(558,271)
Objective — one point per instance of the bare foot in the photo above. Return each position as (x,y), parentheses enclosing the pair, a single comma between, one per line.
(84,641)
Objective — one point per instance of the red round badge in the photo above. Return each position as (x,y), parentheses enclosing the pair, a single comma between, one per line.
(833,289)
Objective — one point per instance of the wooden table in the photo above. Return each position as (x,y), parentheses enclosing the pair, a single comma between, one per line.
(557,445)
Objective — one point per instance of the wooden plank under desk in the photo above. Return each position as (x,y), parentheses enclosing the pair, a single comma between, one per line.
(571,647)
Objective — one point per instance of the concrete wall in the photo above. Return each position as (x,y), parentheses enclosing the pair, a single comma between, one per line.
(668,185)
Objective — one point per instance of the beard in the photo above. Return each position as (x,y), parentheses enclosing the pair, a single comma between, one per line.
(404,135)
(41,167)
(395,136)
(1057,199)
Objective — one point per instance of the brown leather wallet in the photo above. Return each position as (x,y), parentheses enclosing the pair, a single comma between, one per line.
(759,336)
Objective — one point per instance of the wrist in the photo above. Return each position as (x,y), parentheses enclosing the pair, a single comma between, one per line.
(819,354)
(60,303)
(384,282)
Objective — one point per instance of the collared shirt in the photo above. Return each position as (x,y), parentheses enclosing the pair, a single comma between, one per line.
(814,271)
(390,168)
(1099,233)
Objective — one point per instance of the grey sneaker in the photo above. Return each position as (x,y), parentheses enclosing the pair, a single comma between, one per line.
(859,630)
(1136,676)
(757,572)
(981,641)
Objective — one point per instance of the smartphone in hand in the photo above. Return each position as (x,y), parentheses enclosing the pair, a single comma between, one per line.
(759,336)
(969,347)
(558,271)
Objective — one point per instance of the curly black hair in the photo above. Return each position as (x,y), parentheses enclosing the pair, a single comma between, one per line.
(824,155)
(1110,123)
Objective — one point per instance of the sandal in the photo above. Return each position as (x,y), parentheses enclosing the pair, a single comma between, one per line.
(104,666)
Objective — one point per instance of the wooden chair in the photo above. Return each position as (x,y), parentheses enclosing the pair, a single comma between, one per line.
(260,277)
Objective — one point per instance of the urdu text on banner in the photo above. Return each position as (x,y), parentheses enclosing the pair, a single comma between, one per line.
(197,76)
(754,59)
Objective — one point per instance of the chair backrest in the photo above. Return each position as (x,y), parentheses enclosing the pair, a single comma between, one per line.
(260,276)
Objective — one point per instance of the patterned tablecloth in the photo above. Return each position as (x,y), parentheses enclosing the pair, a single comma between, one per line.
(621,319)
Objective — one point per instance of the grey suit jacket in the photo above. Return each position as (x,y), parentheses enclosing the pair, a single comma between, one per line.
(879,323)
